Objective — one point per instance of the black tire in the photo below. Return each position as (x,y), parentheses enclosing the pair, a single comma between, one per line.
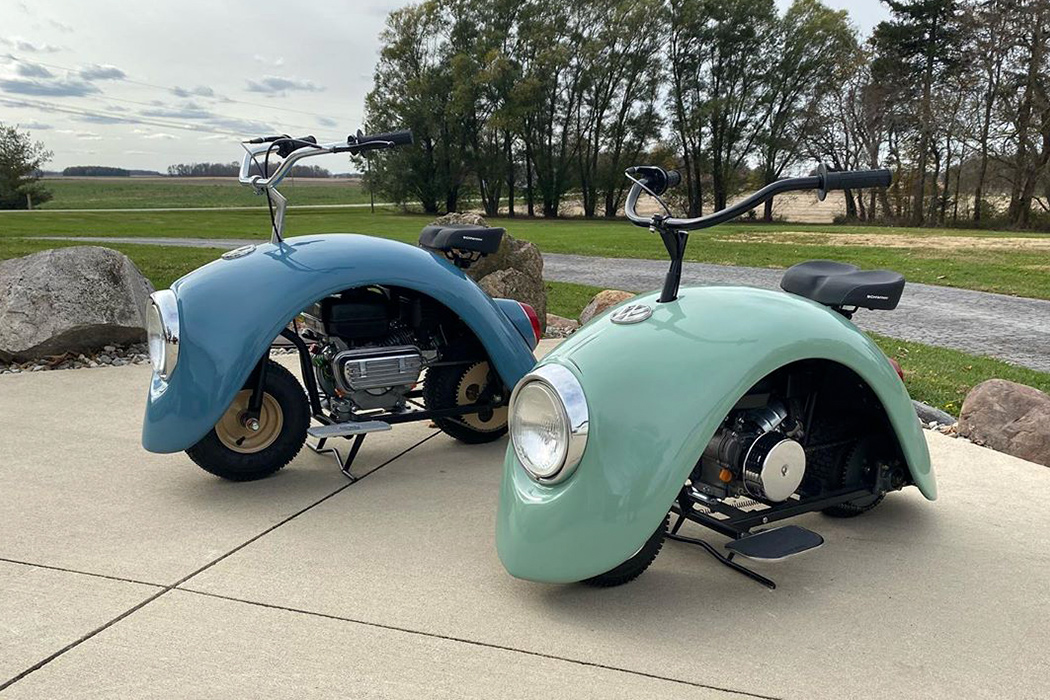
(636,565)
(458,385)
(220,456)
(860,460)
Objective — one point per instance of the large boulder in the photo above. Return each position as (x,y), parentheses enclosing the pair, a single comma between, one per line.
(517,285)
(561,327)
(513,254)
(601,302)
(1008,417)
(75,299)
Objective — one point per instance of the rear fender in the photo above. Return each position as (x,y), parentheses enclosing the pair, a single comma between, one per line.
(231,310)
(657,392)
(520,319)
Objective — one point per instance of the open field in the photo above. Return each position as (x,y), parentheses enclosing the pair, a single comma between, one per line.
(163,192)
(1003,262)
(937,376)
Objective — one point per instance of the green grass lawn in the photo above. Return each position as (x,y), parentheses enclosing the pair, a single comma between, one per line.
(136,193)
(936,376)
(920,254)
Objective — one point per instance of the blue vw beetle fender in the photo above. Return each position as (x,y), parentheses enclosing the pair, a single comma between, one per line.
(656,393)
(231,310)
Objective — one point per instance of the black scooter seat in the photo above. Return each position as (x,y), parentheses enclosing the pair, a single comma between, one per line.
(467,237)
(840,285)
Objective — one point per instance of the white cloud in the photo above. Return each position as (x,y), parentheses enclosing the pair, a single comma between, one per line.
(28,46)
(272,84)
(198,91)
(161,137)
(57,87)
(97,72)
(32,70)
(64,28)
(275,62)
(82,135)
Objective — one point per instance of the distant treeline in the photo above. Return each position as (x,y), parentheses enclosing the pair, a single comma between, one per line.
(232,169)
(95,171)
(539,100)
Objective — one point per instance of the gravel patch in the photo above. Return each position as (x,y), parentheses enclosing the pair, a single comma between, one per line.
(108,356)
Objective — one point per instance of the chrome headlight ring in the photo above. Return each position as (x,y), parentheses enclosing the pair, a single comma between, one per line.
(570,411)
(162,332)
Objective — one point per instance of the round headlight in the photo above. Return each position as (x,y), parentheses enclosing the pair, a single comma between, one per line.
(548,423)
(162,332)
(540,430)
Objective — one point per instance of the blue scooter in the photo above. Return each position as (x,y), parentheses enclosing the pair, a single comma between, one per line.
(386,333)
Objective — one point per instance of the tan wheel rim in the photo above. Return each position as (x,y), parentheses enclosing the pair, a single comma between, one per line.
(235,435)
(474,381)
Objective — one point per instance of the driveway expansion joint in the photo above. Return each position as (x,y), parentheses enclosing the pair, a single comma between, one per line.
(63,569)
(474,642)
(166,589)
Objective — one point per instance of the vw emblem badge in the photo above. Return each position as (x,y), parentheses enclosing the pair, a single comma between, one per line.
(238,252)
(632,313)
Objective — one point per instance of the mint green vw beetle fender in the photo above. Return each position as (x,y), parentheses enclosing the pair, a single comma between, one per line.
(657,391)
(730,407)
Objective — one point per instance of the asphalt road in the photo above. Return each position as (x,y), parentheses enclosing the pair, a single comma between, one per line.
(1014,329)
(1011,328)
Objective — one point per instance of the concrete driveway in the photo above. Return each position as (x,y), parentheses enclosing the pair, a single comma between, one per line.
(127,574)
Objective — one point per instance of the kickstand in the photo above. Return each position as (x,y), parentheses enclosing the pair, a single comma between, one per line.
(344,463)
(727,560)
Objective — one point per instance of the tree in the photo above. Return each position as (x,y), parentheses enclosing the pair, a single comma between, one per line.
(813,48)
(720,54)
(617,116)
(21,159)
(414,90)
(916,52)
(687,96)
(991,48)
(549,95)
(1028,100)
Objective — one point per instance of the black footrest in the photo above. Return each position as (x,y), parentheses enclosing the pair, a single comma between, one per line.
(777,543)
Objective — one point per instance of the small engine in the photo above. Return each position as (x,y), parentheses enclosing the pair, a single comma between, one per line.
(753,454)
(377,377)
(371,346)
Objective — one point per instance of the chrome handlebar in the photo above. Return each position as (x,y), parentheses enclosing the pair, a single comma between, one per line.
(260,183)
(294,150)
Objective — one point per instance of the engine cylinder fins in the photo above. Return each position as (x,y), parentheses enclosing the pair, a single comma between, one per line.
(377,368)
(774,467)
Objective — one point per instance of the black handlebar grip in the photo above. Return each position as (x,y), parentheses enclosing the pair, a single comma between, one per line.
(397,138)
(852,180)
(655,179)
(287,145)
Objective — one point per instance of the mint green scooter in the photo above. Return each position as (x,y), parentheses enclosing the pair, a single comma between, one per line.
(731,407)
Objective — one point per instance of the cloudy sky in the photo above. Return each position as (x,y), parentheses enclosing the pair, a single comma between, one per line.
(112,82)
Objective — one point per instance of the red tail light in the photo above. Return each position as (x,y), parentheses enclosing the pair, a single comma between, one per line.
(897,367)
(533,319)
